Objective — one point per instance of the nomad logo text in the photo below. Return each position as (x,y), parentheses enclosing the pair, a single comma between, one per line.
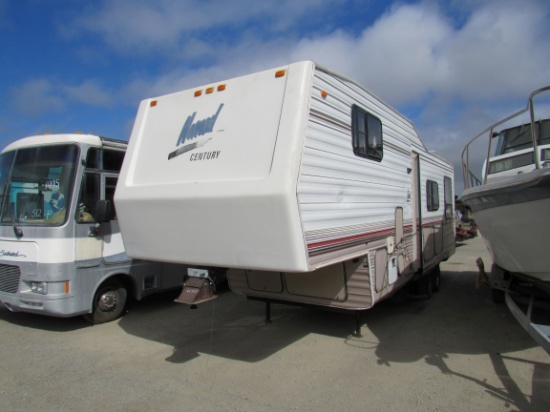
(192,130)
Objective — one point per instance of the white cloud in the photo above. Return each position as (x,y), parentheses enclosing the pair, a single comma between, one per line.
(142,26)
(414,51)
(500,51)
(395,58)
(89,92)
(36,97)
(410,54)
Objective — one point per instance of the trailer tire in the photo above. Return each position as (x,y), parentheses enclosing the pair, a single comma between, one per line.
(497,295)
(109,302)
(436,279)
(425,285)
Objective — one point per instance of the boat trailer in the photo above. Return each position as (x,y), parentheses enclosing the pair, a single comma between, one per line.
(527,300)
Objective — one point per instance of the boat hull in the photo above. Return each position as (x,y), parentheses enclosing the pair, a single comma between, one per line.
(513,216)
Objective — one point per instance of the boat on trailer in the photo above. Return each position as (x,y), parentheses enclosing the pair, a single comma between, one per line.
(510,204)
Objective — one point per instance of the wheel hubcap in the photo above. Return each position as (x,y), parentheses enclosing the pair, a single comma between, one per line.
(108,301)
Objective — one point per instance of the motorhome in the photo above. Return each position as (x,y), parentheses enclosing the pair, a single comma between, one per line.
(61,251)
(305,186)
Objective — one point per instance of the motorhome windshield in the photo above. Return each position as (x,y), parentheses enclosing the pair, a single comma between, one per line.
(36,184)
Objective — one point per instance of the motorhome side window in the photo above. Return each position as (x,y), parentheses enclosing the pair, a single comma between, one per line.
(366,134)
(89,195)
(110,186)
(91,191)
(99,182)
(92,159)
(432,195)
(104,159)
(112,160)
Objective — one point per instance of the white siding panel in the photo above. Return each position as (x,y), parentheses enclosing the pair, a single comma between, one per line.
(341,195)
(315,189)
(391,171)
(342,93)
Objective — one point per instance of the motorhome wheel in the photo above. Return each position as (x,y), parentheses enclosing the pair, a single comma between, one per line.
(109,302)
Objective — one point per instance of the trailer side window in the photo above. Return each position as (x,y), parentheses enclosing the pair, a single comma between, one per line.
(449,201)
(432,195)
(366,134)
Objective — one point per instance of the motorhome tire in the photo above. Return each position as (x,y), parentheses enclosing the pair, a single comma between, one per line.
(109,302)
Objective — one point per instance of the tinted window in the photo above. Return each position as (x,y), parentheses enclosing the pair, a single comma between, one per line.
(112,160)
(432,194)
(366,134)
(449,201)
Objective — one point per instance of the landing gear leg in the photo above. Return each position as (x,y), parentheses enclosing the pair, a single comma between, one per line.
(357,331)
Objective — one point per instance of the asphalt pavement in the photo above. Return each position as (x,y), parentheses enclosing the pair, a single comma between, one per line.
(457,351)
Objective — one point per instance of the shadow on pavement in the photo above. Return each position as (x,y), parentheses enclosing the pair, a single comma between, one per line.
(457,320)
(47,323)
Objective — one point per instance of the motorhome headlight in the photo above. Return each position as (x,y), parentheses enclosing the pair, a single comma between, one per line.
(39,287)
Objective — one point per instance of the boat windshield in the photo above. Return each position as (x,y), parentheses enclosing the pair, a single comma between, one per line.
(36,184)
(520,137)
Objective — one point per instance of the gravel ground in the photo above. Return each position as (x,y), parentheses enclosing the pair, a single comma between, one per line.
(457,351)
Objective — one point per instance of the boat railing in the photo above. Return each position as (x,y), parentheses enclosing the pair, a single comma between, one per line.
(470,179)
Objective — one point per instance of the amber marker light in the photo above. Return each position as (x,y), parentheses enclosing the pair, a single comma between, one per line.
(280,73)
(198,93)
(221,87)
(153,103)
(324,94)
(66,287)
(209,90)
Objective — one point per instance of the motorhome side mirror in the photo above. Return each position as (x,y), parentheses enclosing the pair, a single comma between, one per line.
(102,211)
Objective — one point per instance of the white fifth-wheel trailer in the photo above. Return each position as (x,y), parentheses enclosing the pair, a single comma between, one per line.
(61,251)
(304,185)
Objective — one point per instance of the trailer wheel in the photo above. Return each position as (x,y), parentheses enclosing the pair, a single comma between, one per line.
(425,285)
(436,279)
(497,295)
(501,276)
(109,302)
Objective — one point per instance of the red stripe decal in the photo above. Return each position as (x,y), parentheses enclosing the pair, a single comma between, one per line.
(363,236)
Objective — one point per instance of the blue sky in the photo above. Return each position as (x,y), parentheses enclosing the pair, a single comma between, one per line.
(453,67)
